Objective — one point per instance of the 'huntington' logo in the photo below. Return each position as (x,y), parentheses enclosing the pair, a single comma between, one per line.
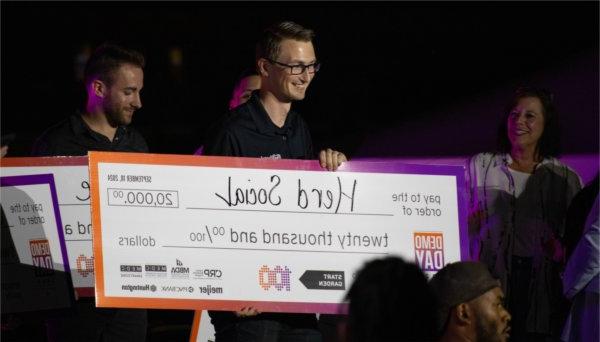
(429,250)
(278,278)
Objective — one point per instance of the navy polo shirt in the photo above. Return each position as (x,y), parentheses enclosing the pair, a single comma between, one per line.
(248,131)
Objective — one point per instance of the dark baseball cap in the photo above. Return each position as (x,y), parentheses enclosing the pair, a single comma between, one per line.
(457,283)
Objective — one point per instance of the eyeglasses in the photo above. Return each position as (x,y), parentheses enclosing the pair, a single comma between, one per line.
(298,69)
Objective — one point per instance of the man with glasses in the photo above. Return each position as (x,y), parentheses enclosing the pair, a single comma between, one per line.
(266,127)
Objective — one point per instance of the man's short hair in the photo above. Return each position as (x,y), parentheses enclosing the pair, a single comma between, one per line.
(459,282)
(269,44)
(107,58)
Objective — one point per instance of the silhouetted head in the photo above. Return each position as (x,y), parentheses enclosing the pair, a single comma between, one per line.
(390,301)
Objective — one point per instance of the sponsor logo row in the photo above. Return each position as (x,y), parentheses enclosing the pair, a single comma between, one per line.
(429,255)
(206,289)
(176,271)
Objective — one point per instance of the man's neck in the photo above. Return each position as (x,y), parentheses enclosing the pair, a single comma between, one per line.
(276,109)
(98,123)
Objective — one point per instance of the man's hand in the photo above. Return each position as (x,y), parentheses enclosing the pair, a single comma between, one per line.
(331,159)
(3,151)
(247,312)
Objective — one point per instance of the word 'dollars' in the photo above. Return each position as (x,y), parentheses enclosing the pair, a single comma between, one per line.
(137,241)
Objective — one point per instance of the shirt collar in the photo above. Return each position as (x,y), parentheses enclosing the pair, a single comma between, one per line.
(80,127)
(263,121)
(508,160)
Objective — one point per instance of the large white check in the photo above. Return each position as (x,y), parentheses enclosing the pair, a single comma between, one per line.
(280,235)
(72,188)
(35,268)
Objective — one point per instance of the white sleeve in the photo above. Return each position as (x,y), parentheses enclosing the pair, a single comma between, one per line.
(584,263)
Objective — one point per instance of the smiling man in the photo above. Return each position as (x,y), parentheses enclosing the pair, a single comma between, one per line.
(114,77)
(267,127)
(470,304)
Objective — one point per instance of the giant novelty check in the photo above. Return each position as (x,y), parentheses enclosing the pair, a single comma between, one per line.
(222,233)
(35,268)
(72,188)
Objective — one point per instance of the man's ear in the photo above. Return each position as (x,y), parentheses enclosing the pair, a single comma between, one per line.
(263,67)
(99,88)
(463,314)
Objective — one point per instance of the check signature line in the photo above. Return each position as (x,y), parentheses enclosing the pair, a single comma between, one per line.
(279,250)
(291,211)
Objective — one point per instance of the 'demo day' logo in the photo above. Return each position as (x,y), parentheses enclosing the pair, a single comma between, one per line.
(429,250)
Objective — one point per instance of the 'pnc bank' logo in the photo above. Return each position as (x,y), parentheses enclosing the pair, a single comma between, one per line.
(278,278)
(429,250)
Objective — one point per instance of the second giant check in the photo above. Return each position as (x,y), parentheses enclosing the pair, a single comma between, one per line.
(223,233)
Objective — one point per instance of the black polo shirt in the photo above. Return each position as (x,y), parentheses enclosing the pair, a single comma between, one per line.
(248,131)
(73,137)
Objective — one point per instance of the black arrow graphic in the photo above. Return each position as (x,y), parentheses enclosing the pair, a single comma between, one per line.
(323,280)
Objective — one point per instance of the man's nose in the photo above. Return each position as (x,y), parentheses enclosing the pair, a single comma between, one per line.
(305,75)
(507,316)
(137,102)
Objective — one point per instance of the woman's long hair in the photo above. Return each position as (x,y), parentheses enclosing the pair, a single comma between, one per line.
(549,143)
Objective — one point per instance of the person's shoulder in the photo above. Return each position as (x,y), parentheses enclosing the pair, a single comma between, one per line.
(563,170)
(134,133)
(236,118)
(59,129)
(555,164)
(484,158)
(137,140)
(298,119)
(53,136)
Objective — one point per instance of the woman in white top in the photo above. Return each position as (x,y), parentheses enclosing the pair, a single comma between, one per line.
(519,199)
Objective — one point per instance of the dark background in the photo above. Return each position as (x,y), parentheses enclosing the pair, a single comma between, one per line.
(397,79)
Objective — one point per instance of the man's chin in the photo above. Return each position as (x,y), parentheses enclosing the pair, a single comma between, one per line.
(298,96)
(120,120)
(505,335)
(126,119)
